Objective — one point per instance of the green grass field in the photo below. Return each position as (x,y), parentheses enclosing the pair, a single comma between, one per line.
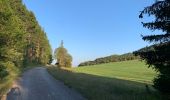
(129,70)
(128,80)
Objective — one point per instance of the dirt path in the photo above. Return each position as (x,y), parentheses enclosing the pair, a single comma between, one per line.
(37,84)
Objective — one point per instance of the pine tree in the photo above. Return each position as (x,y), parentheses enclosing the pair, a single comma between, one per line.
(158,55)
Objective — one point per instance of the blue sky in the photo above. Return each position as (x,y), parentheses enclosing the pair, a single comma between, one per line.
(91,28)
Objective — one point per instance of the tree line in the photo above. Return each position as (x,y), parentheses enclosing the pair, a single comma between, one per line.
(22,40)
(109,59)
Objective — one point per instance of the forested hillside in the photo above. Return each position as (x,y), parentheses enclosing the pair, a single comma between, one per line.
(22,40)
(108,59)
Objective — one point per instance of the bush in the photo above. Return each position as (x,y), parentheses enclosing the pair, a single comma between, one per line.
(3,72)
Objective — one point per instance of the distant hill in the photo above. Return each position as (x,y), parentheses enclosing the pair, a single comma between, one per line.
(108,59)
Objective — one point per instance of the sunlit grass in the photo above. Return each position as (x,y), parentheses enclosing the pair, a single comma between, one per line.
(129,70)
(129,80)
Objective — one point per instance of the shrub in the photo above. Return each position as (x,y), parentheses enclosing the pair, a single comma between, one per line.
(3,72)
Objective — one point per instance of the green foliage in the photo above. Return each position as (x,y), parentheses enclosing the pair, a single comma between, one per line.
(22,41)
(163,81)
(3,71)
(112,58)
(158,55)
(50,59)
(63,58)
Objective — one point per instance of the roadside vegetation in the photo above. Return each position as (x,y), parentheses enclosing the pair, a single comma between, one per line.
(23,42)
(128,80)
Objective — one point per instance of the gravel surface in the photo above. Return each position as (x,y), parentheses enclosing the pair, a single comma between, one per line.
(38,84)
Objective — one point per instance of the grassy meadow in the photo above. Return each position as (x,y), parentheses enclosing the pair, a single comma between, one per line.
(128,70)
(128,80)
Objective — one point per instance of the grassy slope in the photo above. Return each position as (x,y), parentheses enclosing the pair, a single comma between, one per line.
(101,82)
(129,70)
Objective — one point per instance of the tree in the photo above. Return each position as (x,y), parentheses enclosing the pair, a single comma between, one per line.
(50,59)
(22,40)
(158,55)
(63,58)
(68,60)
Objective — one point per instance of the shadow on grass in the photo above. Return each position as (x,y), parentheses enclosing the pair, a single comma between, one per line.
(102,88)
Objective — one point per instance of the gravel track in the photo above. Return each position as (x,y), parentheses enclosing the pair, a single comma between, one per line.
(38,84)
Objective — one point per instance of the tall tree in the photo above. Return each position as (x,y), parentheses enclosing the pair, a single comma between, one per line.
(63,58)
(22,40)
(158,55)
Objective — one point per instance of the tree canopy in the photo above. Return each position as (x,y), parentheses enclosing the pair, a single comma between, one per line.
(64,59)
(158,55)
(22,40)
